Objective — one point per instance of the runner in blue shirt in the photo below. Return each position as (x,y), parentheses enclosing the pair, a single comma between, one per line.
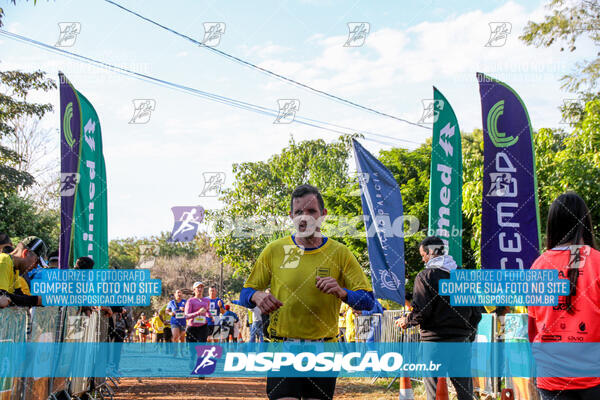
(176,309)
(217,307)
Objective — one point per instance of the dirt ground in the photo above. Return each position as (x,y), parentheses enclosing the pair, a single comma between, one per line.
(238,389)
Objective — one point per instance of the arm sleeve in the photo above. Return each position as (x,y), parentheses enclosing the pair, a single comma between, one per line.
(245,296)
(23,300)
(422,301)
(360,299)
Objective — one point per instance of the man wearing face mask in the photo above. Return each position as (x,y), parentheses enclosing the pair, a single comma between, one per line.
(309,276)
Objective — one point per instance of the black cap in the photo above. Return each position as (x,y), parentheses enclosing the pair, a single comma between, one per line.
(37,245)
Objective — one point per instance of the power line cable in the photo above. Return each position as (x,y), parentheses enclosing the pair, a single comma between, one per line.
(200,93)
(264,70)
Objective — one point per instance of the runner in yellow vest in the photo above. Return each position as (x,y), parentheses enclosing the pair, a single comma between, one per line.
(342,322)
(157,327)
(350,325)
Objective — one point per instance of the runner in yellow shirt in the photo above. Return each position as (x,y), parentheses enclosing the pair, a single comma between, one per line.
(157,327)
(342,323)
(309,276)
(166,319)
(28,253)
(350,325)
(24,286)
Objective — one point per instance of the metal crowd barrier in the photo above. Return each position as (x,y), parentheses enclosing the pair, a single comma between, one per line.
(510,328)
(52,325)
(515,330)
(391,333)
(14,320)
(68,324)
(43,330)
(368,328)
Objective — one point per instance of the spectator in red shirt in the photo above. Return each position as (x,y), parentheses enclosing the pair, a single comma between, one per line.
(572,251)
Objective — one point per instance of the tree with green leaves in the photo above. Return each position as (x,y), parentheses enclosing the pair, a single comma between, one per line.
(257,205)
(14,88)
(21,216)
(569,21)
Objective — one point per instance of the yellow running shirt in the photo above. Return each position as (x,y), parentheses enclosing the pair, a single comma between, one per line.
(290,272)
(166,318)
(24,286)
(9,280)
(157,325)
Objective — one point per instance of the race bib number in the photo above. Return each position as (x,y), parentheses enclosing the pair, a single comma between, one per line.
(200,319)
(179,314)
(213,312)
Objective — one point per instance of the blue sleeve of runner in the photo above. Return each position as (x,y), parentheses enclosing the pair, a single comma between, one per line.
(245,296)
(360,299)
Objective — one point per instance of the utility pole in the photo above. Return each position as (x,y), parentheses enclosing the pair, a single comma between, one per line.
(221,283)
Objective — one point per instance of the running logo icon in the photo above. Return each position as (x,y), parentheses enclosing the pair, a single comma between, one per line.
(68,183)
(363,179)
(572,111)
(213,182)
(186,223)
(68,33)
(291,256)
(357,33)
(287,111)
(499,32)
(431,111)
(207,359)
(389,280)
(148,254)
(142,110)
(503,185)
(212,33)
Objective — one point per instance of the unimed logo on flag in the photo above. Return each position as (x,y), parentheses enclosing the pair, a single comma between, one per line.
(207,359)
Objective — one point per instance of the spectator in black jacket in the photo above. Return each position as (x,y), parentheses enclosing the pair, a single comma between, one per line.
(437,319)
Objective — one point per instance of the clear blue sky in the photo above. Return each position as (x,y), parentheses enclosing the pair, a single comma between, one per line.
(411,46)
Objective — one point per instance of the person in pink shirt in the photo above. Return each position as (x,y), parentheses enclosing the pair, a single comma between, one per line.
(196,315)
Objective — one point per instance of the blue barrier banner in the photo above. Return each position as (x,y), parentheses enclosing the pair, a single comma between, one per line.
(72,287)
(303,359)
(504,287)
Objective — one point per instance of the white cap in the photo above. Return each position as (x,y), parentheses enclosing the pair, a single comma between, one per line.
(196,284)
